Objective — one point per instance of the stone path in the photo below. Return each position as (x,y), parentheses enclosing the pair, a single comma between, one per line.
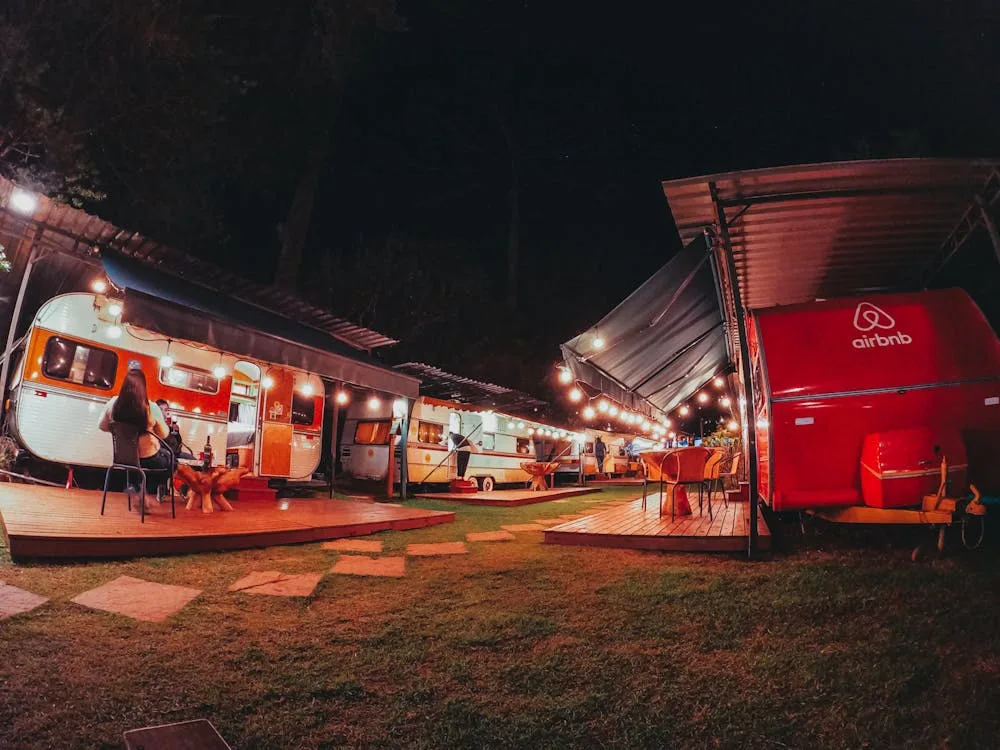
(439,548)
(489,536)
(15,601)
(138,599)
(356,565)
(354,545)
(275,583)
(523,527)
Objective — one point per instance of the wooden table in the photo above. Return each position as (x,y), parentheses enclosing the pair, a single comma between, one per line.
(538,471)
(209,484)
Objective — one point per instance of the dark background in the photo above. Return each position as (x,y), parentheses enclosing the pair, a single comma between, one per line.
(200,123)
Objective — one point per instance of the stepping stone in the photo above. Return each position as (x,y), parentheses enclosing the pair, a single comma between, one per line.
(276,583)
(15,601)
(549,521)
(489,536)
(355,565)
(440,548)
(138,599)
(523,527)
(354,545)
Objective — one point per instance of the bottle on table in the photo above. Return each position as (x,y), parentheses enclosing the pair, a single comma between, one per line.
(206,454)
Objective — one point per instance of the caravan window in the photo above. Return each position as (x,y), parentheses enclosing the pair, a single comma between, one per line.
(430,432)
(372,433)
(489,441)
(189,378)
(77,363)
(303,408)
(523,446)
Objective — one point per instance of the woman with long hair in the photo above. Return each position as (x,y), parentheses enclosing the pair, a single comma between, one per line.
(133,406)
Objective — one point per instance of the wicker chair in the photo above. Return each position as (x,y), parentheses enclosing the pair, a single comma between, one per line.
(729,470)
(684,466)
(125,440)
(712,467)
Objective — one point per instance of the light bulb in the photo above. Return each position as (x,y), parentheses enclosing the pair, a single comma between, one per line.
(166,361)
(733,426)
(575,395)
(531,430)
(602,406)
(520,425)
(613,410)
(219,371)
(510,425)
(565,376)
(374,403)
(115,332)
(100,286)
(23,202)
(307,389)
(725,401)
(702,398)
(598,342)
(342,397)
(684,411)
(719,382)
(114,309)
(588,412)
(267,382)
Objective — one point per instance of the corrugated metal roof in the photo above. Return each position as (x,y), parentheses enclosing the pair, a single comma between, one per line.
(62,228)
(827,230)
(437,383)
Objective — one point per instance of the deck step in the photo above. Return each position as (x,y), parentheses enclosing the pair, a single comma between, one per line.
(741,494)
(254,490)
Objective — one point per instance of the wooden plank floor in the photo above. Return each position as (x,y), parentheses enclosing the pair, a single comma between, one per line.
(508,497)
(52,522)
(629,526)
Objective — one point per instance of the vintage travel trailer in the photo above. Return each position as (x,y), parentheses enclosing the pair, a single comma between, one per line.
(500,442)
(859,400)
(265,416)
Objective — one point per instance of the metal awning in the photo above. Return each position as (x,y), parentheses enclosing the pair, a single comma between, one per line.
(813,231)
(662,343)
(437,383)
(179,309)
(61,228)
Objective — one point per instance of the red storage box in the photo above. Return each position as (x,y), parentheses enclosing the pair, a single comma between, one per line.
(899,467)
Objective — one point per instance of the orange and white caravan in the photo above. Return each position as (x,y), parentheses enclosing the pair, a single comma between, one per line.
(265,416)
(500,442)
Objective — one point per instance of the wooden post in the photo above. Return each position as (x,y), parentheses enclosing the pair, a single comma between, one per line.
(749,416)
(391,469)
(15,317)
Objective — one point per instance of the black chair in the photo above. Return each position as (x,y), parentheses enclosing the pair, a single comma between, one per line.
(125,439)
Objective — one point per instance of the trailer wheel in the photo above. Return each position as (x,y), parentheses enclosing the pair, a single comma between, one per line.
(487,484)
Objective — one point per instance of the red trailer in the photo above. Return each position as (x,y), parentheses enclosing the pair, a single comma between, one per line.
(858,401)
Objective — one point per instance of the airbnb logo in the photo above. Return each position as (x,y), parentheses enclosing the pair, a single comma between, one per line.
(869,317)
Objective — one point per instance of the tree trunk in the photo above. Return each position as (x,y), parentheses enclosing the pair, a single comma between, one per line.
(296,228)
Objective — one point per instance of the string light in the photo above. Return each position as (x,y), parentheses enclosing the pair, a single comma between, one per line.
(307,389)
(575,395)
(602,406)
(267,382)
(719,382)
(23,202)
(100,286)
(114,309)
(510,425)
(588,412)
(219,371)
(565,376)
(733,425)
(725,402)
(520,425)
(114,332)
(374,402)
(531,430)
(702,398)
(341,397)
(684,411)
(598,342)
(613,410)
(166,361)
(667,423)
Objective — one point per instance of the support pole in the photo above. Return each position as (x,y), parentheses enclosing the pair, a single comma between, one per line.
(404,464)
(15,317)
(991,227)
(741,327)
(334,424)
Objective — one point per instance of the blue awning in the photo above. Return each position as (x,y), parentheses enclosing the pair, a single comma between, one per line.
(180,309)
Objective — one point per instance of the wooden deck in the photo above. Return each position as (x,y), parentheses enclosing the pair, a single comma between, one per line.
(508,497)
(50,522)
(631,527)
(619,482)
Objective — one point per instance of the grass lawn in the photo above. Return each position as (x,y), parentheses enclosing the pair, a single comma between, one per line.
(839,642)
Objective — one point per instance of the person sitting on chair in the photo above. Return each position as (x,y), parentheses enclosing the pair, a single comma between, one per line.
(133,406)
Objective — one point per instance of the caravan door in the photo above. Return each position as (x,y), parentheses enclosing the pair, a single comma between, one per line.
(276,422)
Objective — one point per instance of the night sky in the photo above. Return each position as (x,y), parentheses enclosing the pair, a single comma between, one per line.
(410,225)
